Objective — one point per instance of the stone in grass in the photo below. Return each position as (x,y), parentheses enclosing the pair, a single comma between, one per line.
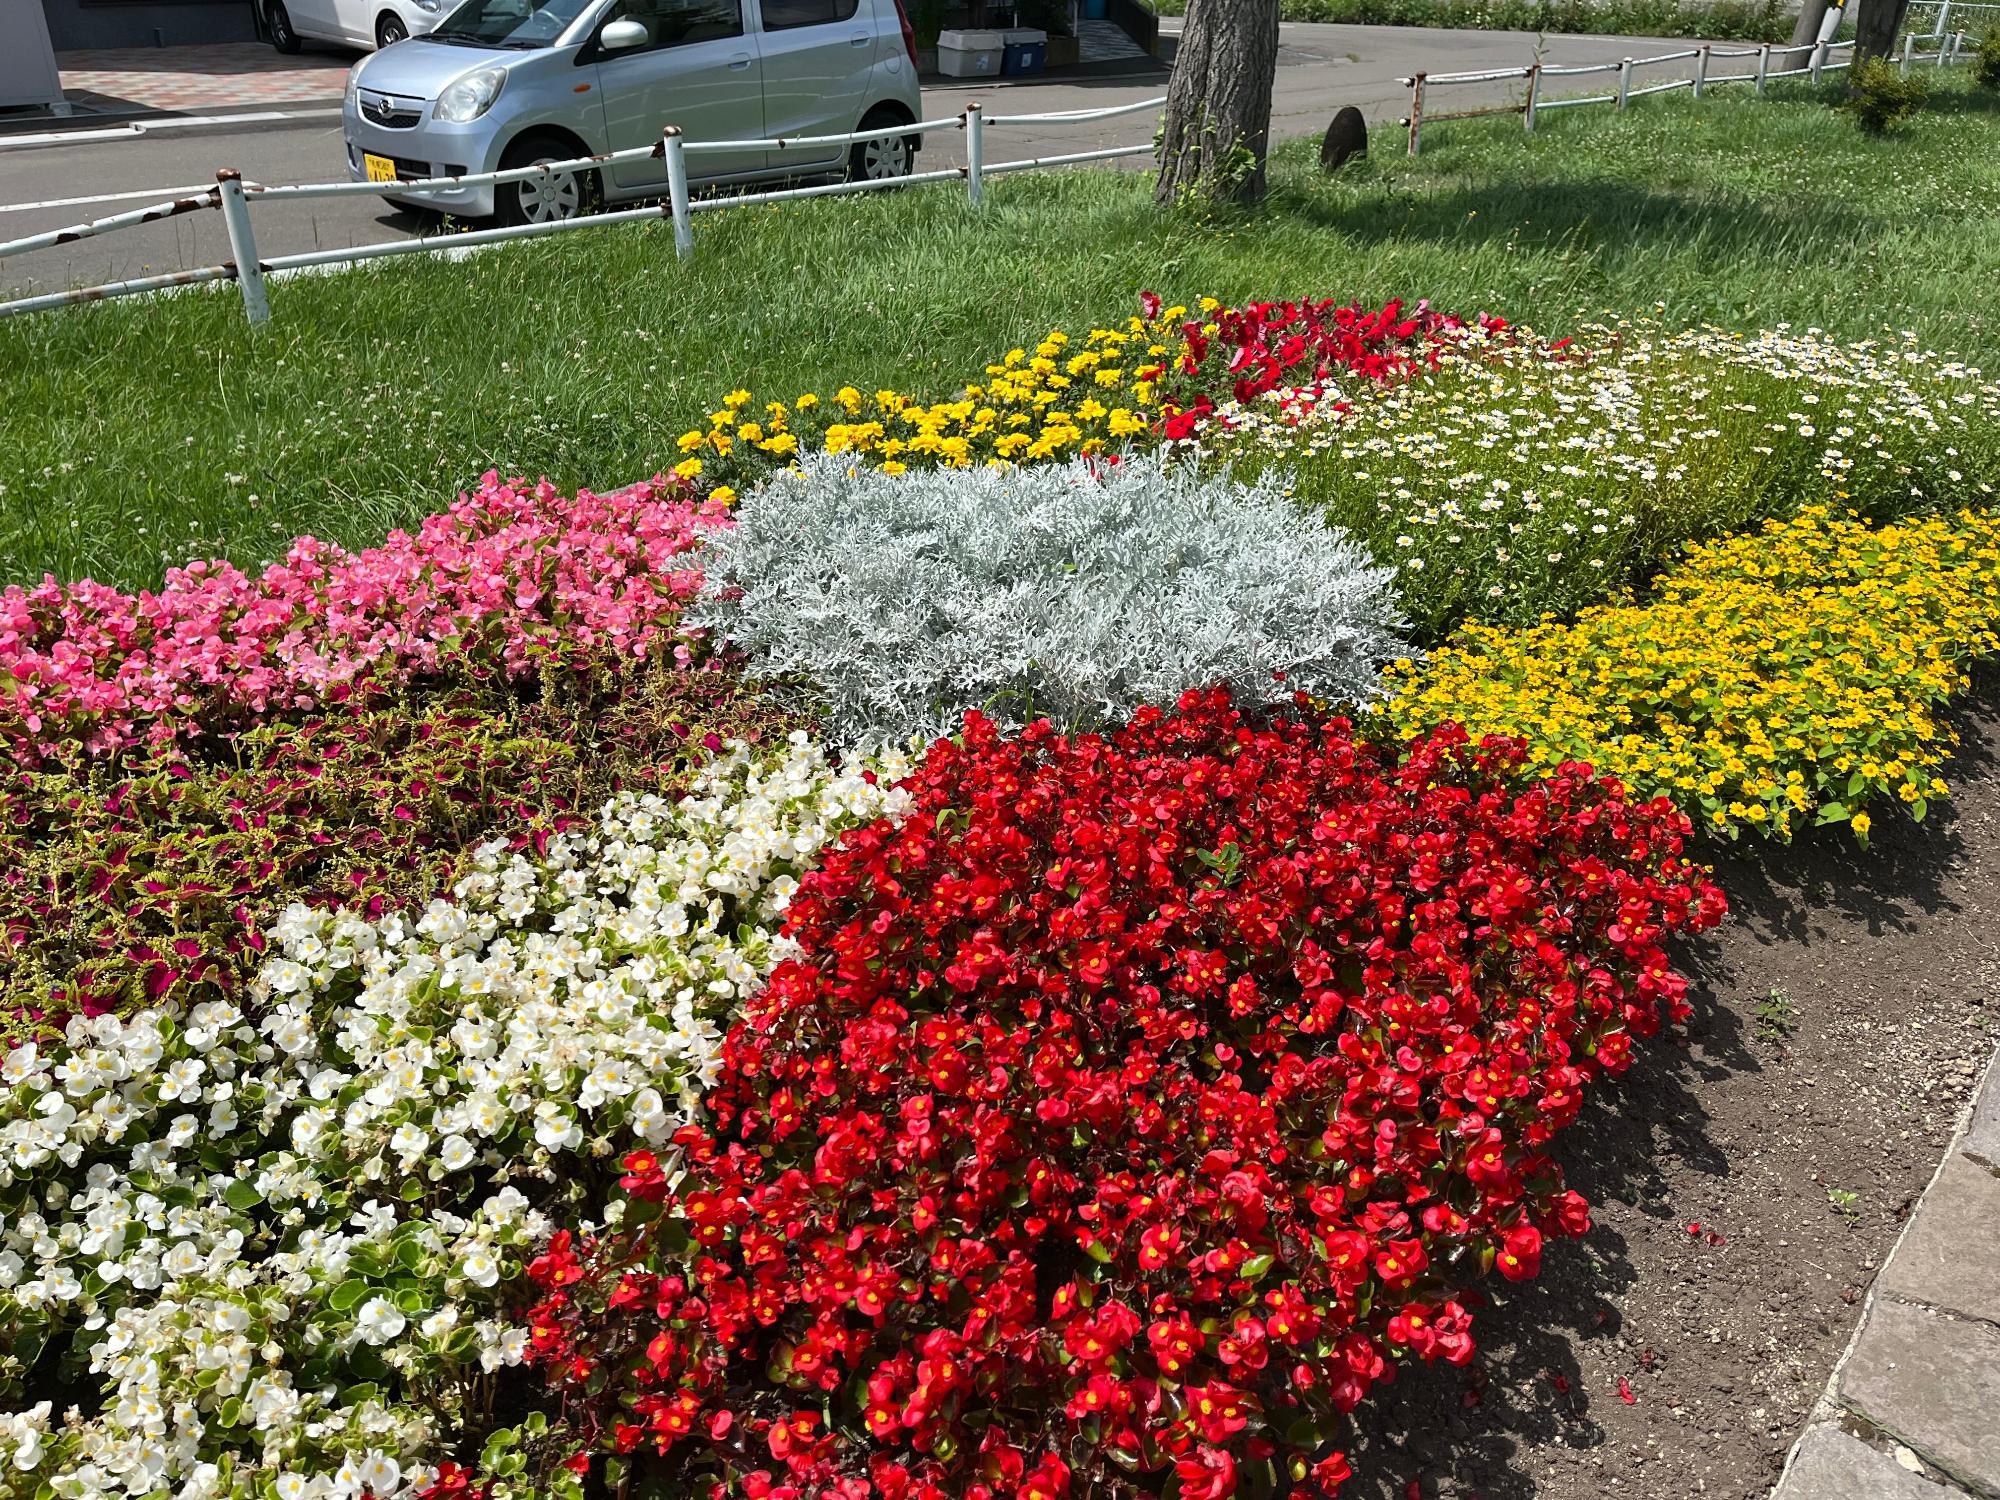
(1346,137)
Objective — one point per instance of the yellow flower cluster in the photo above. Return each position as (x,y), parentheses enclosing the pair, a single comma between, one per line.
(1057,400)
(1773,677)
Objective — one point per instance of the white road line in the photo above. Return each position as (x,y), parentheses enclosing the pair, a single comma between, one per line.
(150,127)
(161,193)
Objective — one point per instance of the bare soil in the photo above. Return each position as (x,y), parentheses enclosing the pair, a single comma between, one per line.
(1726,1268)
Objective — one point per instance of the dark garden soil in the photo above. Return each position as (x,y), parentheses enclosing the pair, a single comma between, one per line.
(1725,1272)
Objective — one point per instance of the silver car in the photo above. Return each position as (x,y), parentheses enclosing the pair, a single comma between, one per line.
(507,83)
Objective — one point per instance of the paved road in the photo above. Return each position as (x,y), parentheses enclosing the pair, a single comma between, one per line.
(1320,68)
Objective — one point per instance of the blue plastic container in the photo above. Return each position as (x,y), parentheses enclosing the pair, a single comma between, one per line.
(1026,50)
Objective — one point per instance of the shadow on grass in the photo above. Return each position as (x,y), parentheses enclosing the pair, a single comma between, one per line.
(1595,213)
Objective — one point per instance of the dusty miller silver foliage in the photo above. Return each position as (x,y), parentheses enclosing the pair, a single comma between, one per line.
(1074,592)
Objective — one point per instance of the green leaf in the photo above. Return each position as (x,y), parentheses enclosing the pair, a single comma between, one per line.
(1833,812)
(1255,1267)
(1919,807)
(1099,1252)
(346,1295)
(242,1197)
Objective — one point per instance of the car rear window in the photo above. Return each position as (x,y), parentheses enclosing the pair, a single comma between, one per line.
(784,15)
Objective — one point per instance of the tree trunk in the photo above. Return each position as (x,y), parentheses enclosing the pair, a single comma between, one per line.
(1218,120)
(1811,15)
(1876,26)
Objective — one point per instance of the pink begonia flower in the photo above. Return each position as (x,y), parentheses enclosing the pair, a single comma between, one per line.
(510,576)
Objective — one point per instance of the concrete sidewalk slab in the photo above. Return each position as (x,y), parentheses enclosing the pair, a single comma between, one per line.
(1919,1384)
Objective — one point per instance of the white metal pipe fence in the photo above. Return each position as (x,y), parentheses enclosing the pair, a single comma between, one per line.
(1821,58)
(235,199)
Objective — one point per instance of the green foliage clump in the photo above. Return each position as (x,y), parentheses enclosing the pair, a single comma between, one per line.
(1986,61)
(1881,96)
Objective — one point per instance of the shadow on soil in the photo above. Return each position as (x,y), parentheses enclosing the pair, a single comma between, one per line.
(1477,1427)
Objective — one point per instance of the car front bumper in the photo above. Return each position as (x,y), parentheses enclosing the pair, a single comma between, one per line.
(423,151)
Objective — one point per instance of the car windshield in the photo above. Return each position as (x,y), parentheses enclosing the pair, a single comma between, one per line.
(509,23)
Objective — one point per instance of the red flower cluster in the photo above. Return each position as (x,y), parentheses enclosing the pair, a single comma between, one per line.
(1268,346)
(1128,1111)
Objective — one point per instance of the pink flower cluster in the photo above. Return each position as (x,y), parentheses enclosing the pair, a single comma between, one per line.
(511,576)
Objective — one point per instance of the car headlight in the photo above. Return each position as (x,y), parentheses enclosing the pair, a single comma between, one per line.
(469,97)
(354,82)
(428,7)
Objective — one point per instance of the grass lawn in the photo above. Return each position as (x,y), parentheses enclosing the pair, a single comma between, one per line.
(155,430)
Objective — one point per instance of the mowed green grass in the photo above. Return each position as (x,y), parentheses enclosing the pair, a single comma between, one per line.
(144,432)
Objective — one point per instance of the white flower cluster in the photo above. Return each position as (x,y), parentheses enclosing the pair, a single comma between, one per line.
(1513,468)
(274,1242)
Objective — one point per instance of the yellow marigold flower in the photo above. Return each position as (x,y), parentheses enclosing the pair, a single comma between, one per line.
(806,402)
(724,494)
(692,440)
(688,468)
(736,399)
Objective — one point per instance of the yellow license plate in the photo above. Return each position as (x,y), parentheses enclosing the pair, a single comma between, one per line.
(379,168)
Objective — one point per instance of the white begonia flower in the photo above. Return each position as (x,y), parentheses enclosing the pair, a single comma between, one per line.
(455,1153)
(379,1321)
(480,1268)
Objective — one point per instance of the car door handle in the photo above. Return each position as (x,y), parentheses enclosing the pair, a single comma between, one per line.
(859,39)
(739,62)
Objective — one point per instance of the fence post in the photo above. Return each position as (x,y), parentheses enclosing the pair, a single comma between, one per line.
(975,154)
(677,190)
(1818,59)
(1763,67)
(1624,82)
(1416,111)
(1909,45)
(242,245)
(1944,17)
(1534,96)
(1700,69)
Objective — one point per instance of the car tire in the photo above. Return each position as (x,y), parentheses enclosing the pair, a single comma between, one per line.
(891,157)
(542,201)
(389,30)
(283,36)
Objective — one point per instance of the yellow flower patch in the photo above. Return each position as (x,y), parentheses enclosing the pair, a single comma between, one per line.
(1787,675)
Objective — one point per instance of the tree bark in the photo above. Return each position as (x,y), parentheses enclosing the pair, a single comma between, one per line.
(1876,26)
(1811,15)
(1218,119)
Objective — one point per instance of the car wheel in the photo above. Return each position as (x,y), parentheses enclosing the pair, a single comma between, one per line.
(389,31)
(882,160)
(280,21)
(543,200)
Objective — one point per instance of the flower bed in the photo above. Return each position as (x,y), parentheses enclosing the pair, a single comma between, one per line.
(1121,1107)
(285,1228)
(508,579)
(154,880)
(1127,1111)
(1787,676)
(1515,480)
(1159,374)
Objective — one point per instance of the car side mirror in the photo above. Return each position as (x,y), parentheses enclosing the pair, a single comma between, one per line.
(622,36)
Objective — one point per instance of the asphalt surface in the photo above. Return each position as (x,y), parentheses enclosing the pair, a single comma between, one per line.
(83,177)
